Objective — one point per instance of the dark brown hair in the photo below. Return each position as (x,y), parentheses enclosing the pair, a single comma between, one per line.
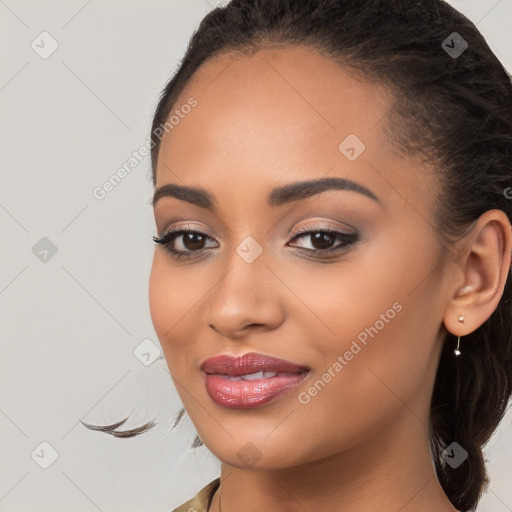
(453,111)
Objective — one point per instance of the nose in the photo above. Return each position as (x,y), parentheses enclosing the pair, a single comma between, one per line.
(246,298)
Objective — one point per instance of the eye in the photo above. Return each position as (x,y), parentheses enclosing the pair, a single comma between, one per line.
(323,240)
(183,243)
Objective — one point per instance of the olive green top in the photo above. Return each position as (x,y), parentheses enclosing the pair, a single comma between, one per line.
(202,500)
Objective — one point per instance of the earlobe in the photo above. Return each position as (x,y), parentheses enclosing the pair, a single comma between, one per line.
(485,265)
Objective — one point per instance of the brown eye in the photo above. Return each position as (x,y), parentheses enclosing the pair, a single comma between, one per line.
(183,243)
(193,241)
(323,241)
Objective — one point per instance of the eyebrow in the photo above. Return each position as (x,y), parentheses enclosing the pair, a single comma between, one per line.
(278,196)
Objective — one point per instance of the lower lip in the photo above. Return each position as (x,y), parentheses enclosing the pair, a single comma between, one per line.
(245,394)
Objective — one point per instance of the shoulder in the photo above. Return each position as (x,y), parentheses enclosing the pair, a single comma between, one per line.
(201,501)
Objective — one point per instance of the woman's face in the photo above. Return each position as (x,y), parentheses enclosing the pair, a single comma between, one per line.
(365,320)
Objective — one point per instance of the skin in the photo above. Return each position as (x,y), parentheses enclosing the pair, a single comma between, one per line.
(265,120)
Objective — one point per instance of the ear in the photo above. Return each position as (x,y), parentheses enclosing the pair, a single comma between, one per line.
(485,266)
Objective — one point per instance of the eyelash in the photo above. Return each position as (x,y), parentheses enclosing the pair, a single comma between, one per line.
(169,236)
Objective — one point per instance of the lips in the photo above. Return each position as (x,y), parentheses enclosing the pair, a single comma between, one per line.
(249,365)
(251,380)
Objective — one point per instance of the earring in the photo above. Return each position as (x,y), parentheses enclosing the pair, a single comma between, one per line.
(457,351)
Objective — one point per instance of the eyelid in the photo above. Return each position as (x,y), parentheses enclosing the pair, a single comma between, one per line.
(322,227)
(185,227)
(317,225)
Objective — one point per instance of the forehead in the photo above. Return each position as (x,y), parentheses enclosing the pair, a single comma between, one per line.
(279,114)
(279,72)
(286,95)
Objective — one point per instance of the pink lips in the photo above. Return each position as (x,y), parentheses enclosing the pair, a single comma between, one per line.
(264,378)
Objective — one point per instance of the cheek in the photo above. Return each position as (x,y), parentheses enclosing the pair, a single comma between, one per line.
(159,298)
(177,298)
(338,302)
(169,303)
(369,316)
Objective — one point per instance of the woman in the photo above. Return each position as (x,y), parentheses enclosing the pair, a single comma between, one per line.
(331,281)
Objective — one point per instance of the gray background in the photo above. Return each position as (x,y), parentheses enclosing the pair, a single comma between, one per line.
(69,324)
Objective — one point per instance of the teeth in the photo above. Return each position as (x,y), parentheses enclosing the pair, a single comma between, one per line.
(259,375)
(255,376)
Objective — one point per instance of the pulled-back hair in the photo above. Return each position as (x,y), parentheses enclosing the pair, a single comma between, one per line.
(453,111)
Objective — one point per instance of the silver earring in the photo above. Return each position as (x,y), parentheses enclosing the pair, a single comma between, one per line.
(457,351)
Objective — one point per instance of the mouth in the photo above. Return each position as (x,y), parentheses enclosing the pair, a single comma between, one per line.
(256,376)
(252,366)
(251,380)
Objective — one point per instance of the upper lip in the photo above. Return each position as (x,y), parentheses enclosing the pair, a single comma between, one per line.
(249,363)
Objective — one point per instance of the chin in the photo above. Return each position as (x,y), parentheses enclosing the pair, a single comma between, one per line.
(253,452)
